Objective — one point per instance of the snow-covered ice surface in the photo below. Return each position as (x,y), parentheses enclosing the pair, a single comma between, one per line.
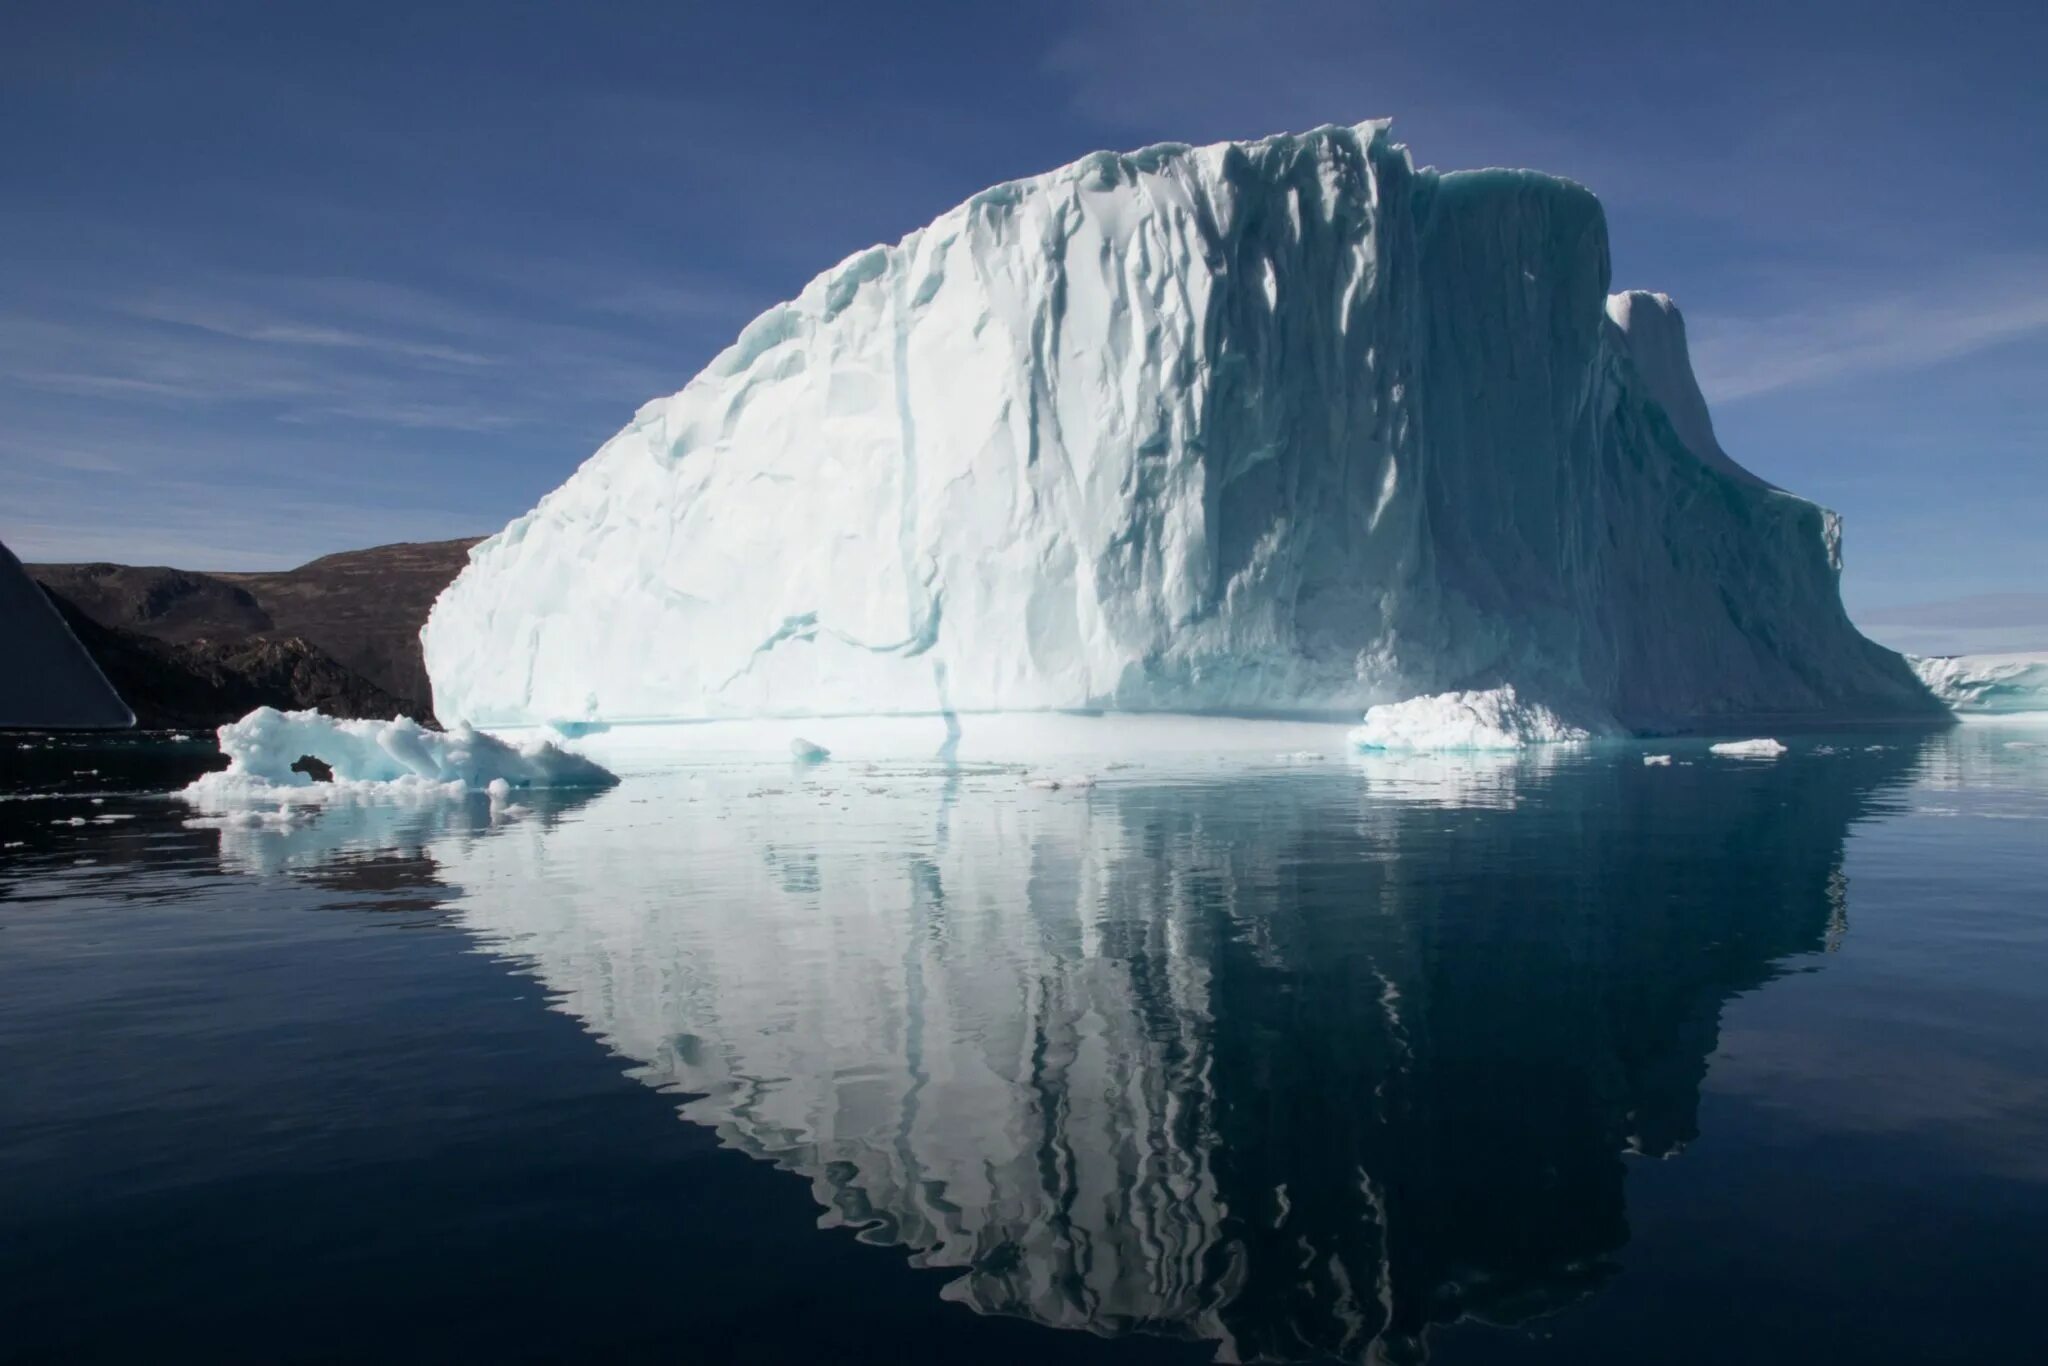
(375,761)
(1987,683)
(1494,719)
(1285,426)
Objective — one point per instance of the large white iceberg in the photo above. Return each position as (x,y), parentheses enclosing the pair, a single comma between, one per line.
(376,760)
(1285,426)
(1988,683)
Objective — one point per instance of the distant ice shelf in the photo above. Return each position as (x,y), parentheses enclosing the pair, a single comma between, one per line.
(1988,683)
(1275,427)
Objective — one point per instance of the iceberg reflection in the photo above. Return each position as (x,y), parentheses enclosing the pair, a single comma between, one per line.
(1272,1059)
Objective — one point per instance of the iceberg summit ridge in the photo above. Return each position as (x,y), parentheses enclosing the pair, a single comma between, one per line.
(1285,426)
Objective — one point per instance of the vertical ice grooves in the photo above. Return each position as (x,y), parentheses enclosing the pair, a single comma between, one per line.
(1147,429)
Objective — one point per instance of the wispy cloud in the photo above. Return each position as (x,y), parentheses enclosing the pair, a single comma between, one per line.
(312,350)
(256,419)
(244,326)
(1834,336)
(1978,623)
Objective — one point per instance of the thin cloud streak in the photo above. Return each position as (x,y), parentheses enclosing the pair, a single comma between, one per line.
(1836,338)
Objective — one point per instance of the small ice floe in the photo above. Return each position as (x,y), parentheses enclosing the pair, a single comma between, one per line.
(1748,749)
(1301,756)
(1656,761)
(69,820)
(2025,744)
(375,761)
(109,820)
(1496,719)
(808,752)
(15,844)
(1074,780)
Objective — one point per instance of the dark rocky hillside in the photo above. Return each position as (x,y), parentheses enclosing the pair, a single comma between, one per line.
(340,633)
(205,682)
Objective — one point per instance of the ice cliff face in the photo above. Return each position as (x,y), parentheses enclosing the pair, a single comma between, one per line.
(1276,426)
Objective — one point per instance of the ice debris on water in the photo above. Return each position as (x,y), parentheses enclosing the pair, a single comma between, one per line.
(1495,719)
(806,752)
(1748,749)
(1072,780)
(376,761)
(1656,761)
(283,818)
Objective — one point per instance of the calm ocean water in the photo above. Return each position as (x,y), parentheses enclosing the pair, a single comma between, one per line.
(1555,1059)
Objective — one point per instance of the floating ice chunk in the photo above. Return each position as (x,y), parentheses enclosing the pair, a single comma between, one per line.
(1073,780)
(806,752)
(1301,756)
(376,761)
(1495,719)
(1656,761)
(1748,749)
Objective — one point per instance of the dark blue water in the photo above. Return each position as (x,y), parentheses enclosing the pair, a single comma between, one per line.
(1564,1059)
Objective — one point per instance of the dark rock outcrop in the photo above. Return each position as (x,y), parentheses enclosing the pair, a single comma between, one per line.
(206,682)
(340,634)
(47,675)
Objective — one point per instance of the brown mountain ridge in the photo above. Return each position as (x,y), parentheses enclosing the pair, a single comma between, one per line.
(339,634)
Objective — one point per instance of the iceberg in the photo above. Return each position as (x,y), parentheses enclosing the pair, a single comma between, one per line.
(1987,683)
(376,760)
(1285,427)
(1497,719)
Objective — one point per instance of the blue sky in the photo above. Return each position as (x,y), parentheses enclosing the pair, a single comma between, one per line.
(282,279)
